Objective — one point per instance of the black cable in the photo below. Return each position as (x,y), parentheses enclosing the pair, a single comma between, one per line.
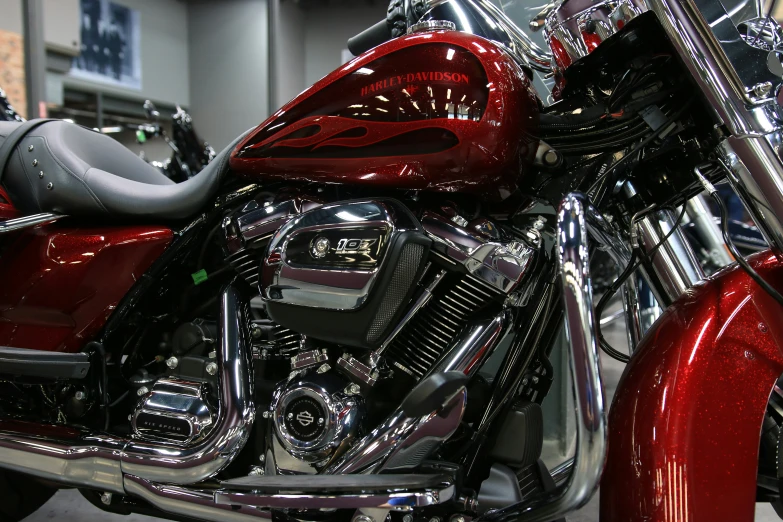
(630,268)
(724,222)
(665,126)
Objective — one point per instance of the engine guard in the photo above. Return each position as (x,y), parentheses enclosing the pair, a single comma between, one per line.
(685,422)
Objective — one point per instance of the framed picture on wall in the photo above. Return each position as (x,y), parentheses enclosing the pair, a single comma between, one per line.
(111,44)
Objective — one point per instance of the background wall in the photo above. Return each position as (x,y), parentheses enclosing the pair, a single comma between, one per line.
(11,19)
(228,96)
(290,53)
(327,30)
(164,54)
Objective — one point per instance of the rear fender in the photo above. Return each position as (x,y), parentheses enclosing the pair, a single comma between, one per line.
(685,422)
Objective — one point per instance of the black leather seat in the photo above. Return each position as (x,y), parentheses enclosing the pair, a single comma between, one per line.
(67,169)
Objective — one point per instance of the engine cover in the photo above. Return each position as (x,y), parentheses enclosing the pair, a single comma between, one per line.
(313,416)
(174,411)
(348,266)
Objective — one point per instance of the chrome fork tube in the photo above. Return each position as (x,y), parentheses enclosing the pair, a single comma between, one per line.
(674,263)
(574,263)
(750,153)
(708,231)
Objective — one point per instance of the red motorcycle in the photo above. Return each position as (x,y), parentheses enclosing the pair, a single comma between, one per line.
(400,220)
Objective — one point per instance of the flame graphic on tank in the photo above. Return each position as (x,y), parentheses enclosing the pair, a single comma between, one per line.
(330,131)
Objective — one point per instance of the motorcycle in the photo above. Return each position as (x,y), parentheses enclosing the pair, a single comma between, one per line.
(189,154)
(407,217)
(7,112)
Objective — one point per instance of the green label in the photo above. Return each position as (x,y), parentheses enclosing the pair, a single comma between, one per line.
(199,277)
(141,136)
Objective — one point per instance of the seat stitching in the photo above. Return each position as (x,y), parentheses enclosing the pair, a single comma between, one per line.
(76,177)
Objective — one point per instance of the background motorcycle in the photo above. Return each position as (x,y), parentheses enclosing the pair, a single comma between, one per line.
(400,219)
(7,112)
(189,154)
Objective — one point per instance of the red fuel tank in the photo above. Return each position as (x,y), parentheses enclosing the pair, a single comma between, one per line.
(441,110)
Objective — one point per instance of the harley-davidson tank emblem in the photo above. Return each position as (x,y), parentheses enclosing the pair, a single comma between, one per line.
(410,78)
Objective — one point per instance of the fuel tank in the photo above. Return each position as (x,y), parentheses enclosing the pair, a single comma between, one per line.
(440,111)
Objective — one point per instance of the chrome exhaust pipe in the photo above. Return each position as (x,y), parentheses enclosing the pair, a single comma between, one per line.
(64,455)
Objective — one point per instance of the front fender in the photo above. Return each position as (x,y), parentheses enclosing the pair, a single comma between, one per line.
(685,422)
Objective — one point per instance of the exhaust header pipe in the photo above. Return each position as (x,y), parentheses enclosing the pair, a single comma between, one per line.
(63,455)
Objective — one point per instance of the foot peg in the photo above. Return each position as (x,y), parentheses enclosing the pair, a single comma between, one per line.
(401,492)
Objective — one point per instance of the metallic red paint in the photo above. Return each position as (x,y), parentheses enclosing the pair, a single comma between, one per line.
(686,418)
(443,111)
(59,284)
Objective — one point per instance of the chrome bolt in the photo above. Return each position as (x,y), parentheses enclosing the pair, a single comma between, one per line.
(172,362)
(31,148)
(407,518)
(256,471)
(762,89)
(106,498)
(435,519)
(321,247)
(211,368)
(459,220)
(41,174)
(266,414)
(256,332)
(50,185)
(35,163)
(320,421)
(458,518)
(142,391)
(80,395)
(363,518)
(290,416)
(539,223)
(262,458)
(323,368)
(352,389)
(535,379)
(525,381)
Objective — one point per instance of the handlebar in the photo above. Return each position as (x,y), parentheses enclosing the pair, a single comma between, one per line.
(369,38)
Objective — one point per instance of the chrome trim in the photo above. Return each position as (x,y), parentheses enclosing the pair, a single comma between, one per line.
(172,398)
(341,421)
(674,263)
(710,68)
(100,462)
(390,445)
(191,503)
(573,23)
(325,287)
(574,262)
(11,225)
(432,25)
(483,18)
(308,358)
(404,501)
(474,345)
(708,230)
(501,266)
(756,174)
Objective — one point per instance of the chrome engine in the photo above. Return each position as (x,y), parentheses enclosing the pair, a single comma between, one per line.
(360,291)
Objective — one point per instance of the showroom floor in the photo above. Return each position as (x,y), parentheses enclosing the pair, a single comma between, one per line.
(69,506)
